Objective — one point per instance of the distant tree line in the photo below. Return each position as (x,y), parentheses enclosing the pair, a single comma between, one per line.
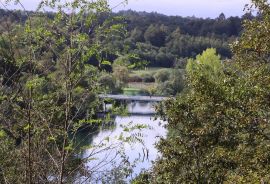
(166,41)
(159,40)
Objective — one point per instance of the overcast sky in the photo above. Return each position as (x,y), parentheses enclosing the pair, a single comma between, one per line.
(198,8)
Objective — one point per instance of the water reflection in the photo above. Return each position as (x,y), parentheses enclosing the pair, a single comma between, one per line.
(107,150)
(142,108)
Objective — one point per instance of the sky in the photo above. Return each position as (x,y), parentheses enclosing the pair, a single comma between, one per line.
(198,8)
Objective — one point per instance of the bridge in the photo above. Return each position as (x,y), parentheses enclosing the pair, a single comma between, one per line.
(134,98)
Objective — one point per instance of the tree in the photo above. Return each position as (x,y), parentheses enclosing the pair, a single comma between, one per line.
(120,73)
(221,17)
(219,128)
(177,81)
(162,75)
(155,35)
(107,82)
(208,64)
(169,83)
(137,35)
(254,42)
(48,92)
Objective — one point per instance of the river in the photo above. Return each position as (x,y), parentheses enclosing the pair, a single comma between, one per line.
(123,148)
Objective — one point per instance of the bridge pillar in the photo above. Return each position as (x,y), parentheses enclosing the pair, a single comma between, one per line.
(104,108)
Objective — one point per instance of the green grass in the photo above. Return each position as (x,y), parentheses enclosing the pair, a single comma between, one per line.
(149,71)
(141,85)
(141,88)
(132,91)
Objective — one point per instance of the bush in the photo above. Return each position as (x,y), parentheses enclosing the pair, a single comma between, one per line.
(143,178)
(120,73)
(148,78)
(107,81)
(165,89)
(162,75)
(135,78)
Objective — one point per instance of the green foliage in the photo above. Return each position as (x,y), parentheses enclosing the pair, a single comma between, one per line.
(254,45)
(219,128)
(142,178)
(156,35)
(177,81)
(169,82)
(132,91)
(120,73)
(108,83)
(162,75)
(147,78)
(132,61)
(7,145)
(207,64)
(49,87)
(218,131)
(136,35)
(165,39)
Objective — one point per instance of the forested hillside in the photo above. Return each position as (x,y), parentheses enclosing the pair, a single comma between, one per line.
(164,41)
(160,40)
(55,66)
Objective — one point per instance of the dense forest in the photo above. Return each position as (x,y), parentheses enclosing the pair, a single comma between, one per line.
(150,40)
(53,66)
(165,41)
(160,40)
(174,37)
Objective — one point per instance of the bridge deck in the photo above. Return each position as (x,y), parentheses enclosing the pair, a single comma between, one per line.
(135,98)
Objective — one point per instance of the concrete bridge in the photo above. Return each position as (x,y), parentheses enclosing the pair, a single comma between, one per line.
(134,98)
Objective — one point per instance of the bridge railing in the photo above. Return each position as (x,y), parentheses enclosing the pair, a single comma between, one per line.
(134,98)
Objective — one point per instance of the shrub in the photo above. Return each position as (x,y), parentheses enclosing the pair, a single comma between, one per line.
(135,78)
(162,75)
(148,78)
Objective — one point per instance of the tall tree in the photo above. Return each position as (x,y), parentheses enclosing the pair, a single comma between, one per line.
(155,34)
(208,64)
(48,91)
(219,129)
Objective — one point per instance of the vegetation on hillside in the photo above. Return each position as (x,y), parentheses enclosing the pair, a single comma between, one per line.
(54,65)
(219,128)
(48,94)
(165,41)
(159,40)
(146,40)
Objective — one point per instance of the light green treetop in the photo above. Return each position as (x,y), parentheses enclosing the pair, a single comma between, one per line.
(208,63)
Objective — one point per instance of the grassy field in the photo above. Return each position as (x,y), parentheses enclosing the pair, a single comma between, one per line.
(132,91)
(141,85)
(148,71)
(142,88)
